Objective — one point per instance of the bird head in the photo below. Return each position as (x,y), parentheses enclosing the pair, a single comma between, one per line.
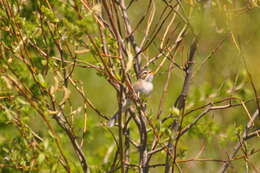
(146,75)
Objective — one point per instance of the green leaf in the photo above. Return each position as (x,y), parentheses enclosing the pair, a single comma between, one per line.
(45,144)
(41,157)
(175,111)
(41,80)
(49,14)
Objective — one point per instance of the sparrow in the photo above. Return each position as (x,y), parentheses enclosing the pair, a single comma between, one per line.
(143,86)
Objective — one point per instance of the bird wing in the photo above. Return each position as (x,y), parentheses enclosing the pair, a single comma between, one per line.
(138,86)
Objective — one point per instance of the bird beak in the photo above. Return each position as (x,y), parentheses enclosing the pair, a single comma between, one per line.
(152,73)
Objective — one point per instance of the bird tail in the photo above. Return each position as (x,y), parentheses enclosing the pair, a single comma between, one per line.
(112,120)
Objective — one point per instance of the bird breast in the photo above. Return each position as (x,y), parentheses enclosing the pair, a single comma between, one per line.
(143,87)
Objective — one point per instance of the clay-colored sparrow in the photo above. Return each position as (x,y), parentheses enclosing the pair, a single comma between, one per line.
(143,86)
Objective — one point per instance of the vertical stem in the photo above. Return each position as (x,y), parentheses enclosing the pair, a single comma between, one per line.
(131,36)
(180,104)
(120,131)
(143,157)
(127,147)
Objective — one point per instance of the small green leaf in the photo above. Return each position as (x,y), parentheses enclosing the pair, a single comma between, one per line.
(41,80)
(49,14)
(41,157)
(44,62)
(175,111)
(5,150)
(45,144)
